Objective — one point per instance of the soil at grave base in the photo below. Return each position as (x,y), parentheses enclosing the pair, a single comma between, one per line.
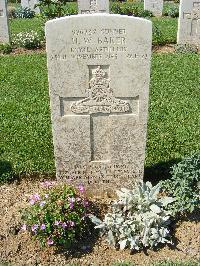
(169,48)
(18,248)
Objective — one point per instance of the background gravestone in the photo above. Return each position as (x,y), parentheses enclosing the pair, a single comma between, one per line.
(99,71)
(4,27)
(93,6)
(189,22)
(31,4)
(155,6)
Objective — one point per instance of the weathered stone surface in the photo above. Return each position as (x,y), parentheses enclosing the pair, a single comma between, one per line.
(93,6)
(31,4)
(189,22)
(99,71)
(4,27)
(155,6)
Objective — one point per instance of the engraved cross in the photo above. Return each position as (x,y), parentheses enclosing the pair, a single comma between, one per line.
(100,106)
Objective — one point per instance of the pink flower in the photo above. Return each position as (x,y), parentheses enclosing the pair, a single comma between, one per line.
(43,227)
(48,184)
(34,227)
(71,223)
(72,200)
(64,225)
(57,223)
(50,241)
(32,201)
(24,227)
(81,188)
(71,205)
(85,203)
(34,198)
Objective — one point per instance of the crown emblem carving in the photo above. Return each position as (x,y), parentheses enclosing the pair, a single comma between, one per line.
(100,96)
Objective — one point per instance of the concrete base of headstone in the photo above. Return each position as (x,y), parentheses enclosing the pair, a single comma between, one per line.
(155,6)
(99,72)
(4,26)
(189,22)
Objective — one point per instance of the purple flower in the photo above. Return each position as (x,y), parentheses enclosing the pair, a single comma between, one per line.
(81,188)
(85,203)
(64,225)
(32,201)
(34,198)
(42,203)
(48,184)
(71,223)
(46,196)
(57,223)
(71,205)
(24,227)
(43,227)
(34,227)
(50,241)
(72,200)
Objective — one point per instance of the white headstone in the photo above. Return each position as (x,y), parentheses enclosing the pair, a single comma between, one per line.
(31,4)
(189,22)
(93,6)
(99,72)
(155,6)
(4,27)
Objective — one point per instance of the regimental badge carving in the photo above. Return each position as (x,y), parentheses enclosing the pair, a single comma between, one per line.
(100,97)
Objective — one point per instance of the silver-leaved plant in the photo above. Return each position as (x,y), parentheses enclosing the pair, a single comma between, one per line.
(139,218)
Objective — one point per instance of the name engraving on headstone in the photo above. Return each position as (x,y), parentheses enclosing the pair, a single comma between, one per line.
(99,44)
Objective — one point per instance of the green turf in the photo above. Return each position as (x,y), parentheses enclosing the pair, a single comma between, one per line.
(166,28)
(184,263)
(173,128)
(25,135)
(19,25)
(163,263)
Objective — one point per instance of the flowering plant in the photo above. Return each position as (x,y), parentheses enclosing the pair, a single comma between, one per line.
(29,40)
(58,215)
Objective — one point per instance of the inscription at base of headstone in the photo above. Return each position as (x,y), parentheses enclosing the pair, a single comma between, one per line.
(4,26)
(155,6)
(31,4)
(93,6)
(99,71)
(189,22)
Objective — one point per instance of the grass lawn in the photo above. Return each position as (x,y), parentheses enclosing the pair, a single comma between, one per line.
(25,135)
